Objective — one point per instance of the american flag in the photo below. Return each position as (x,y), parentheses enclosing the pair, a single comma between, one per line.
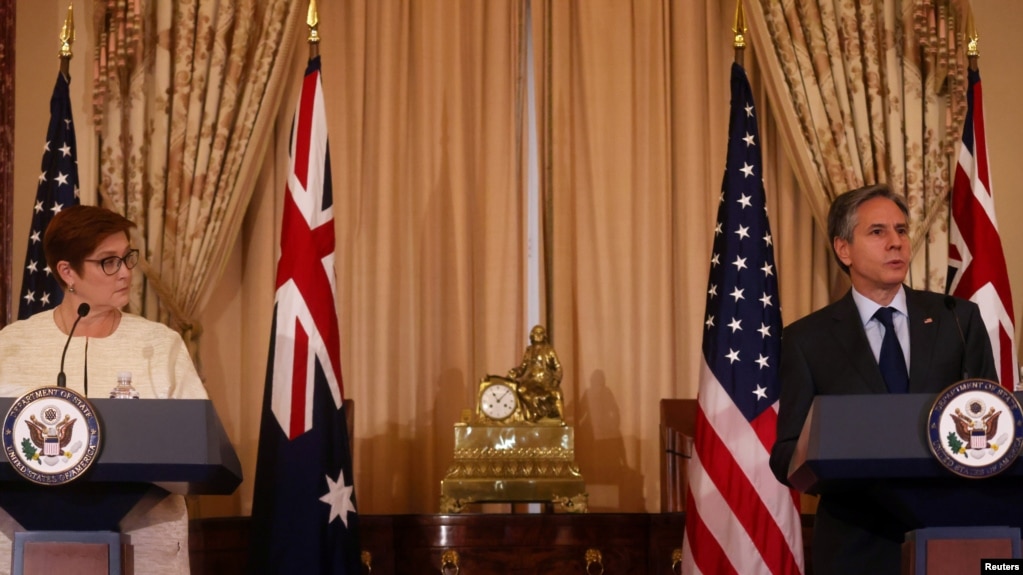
(976,261)
(304,517)
(739,518)
(57,189)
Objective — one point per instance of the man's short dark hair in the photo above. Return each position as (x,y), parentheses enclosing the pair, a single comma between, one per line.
(842,215)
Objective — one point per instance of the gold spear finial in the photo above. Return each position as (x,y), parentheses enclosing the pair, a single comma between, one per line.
(313,20)
(971,34)
(67,33)
(740,26)
(739,41)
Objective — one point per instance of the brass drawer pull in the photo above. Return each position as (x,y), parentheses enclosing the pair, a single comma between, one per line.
(367,561)
(593,557)
(449,561)
(676,561)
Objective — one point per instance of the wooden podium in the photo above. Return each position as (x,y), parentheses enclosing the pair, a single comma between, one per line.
(178,445)
(877,444)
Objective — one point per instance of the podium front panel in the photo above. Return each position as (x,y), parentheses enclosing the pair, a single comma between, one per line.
(877,444)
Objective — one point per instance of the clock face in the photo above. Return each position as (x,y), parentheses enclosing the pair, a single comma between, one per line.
(498,401)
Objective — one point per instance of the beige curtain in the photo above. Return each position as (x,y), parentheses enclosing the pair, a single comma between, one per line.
(425,142)
(423,107)
(870,92)
(186,93)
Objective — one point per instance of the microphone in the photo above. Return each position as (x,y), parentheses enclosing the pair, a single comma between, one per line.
(83,310)
(950,303)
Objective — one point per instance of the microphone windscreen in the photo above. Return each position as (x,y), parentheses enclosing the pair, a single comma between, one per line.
(950,302)
(83,310)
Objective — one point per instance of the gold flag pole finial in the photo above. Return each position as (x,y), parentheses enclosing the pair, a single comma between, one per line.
(67,33)
(313,21)
(971,36)
(739,42)
(67,38)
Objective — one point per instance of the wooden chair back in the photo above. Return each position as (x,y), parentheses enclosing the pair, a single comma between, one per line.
(678,428)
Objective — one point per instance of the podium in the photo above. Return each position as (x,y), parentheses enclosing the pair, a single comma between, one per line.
(877,443)
(178,445)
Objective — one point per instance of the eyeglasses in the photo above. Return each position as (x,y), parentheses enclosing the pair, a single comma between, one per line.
(112,264)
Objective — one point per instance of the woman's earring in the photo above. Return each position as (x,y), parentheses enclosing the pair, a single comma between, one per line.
(71,288)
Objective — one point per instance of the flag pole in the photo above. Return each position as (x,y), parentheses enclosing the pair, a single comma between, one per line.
(57,187)
(313,21)
(740,387)
(303,493)
(67,38)
(739,41)
(547,183)
(976,258)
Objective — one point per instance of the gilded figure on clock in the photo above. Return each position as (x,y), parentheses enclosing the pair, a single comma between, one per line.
(539,379)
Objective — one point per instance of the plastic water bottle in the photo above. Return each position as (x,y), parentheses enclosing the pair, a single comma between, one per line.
(124,389)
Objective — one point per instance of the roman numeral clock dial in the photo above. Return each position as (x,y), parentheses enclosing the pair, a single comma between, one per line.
(498,401)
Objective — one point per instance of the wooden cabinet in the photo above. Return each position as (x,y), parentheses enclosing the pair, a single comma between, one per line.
(524,544)
(487,544)
(505,544)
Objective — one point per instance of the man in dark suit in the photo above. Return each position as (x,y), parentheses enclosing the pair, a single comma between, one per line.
(843,349)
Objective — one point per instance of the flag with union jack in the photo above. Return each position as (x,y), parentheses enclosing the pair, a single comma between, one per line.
(57,189)
(739,518)
(303,512)
(976,261)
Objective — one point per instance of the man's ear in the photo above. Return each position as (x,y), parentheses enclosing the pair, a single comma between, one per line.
(842,250)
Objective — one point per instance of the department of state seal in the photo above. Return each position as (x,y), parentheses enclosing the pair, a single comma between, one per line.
(975,428)
(51,435)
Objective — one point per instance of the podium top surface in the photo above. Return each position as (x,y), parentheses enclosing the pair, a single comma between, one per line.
(872,436)
(177,444)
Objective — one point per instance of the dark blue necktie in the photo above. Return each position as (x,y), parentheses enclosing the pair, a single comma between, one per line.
(892,362)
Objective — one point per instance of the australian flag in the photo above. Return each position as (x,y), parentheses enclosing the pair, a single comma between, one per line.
(303,512)
(58,189)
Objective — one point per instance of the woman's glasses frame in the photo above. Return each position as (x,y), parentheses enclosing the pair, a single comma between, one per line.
(111,265)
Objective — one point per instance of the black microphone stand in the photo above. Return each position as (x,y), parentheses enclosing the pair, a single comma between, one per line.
(83,310)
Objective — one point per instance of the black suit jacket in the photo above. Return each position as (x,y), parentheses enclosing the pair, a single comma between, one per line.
(827,353)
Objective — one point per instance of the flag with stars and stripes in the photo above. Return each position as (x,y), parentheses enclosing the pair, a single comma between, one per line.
(976,261)
(303,512)
(739,518)
(58,189)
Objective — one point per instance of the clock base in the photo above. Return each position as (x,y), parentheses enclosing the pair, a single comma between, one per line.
(517,463)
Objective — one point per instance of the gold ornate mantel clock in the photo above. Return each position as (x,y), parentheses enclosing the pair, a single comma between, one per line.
(517,448)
